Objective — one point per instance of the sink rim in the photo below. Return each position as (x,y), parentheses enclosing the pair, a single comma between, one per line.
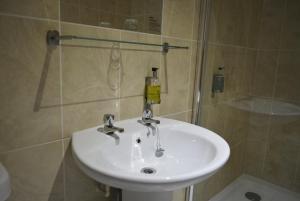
(221,157)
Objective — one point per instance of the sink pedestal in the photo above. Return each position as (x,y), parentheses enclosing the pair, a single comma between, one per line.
(146,196)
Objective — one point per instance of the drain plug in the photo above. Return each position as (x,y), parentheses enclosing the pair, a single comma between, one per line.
(148,170)
(252,196)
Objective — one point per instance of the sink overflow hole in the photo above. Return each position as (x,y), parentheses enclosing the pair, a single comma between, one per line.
(148,170)
(252,196)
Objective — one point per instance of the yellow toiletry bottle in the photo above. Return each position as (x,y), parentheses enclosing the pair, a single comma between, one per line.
(153,88)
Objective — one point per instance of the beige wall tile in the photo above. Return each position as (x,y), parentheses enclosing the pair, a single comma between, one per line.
(138,62)
(178,18)
(254,157)
(184,116)
(246,73)
(78,186)
(36,172)
(211,118)
(69,12)
(235,125)
(259,125)
(132,107)
(89,16)
(230,21)
(179,195)
(234,167)
(270,26)
(88,68)
(91,4)
(264,74)
(288,76)
(86,115)
(284,142)
(178,66)
(199,190)
(198,21)
(30,92)
(32,8)
(253,12)
(290,38)
(296,184)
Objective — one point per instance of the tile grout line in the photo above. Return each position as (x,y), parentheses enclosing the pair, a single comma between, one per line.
(61,102)
(28,17)
(176,113)
(273,92)
(30,146)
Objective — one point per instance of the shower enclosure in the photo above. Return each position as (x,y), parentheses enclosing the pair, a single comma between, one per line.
(255,46)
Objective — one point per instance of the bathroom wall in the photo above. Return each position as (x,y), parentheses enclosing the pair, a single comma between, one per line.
(232,39)
(49,92)
(258,44)
(273,142)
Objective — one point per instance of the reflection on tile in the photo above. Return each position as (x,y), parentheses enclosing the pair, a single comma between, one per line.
(177,18)
(36,173)
(78,186)
(32,8)
(24,71)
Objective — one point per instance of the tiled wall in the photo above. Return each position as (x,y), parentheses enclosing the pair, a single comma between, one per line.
(258,43)
(48,93)
(273,142)
(231,43)
(114,13)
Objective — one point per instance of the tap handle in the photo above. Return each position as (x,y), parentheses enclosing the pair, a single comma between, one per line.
(147,114)
(108,120)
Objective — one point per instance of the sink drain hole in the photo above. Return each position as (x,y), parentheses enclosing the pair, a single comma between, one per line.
(148,170)
(252,196)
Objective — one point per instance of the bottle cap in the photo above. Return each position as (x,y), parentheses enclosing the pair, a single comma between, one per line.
(154,69)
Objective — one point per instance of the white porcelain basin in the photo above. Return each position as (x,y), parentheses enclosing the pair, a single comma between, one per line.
(192,154)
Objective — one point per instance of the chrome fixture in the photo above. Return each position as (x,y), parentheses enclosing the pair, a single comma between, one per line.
(54,38)
(218,81)
(109,128)
(147,116)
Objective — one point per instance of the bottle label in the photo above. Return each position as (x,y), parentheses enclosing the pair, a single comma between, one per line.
(153,94)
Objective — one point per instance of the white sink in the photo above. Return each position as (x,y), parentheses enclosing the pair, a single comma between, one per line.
(192,154)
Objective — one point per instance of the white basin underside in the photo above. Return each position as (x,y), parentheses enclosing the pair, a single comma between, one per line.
(189,157)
